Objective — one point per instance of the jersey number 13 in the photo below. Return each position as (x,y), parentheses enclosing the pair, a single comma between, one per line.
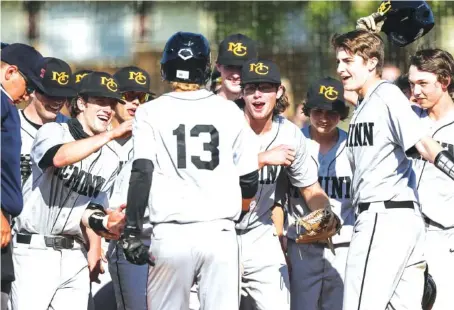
(211,146)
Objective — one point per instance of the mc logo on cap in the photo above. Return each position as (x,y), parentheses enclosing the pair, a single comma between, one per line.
(237,49)
(329,92)
(259,68)
(385,6)
(138,77)
(79,77)
(109,83)
(62,78)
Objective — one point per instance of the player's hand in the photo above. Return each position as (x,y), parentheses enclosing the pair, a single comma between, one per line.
(115,222)
(280,155)
(371,23)
(95,266)
(124,130)
(135,251)
(5,230)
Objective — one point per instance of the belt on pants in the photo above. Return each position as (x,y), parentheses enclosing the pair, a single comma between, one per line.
(55,242)
(388,205)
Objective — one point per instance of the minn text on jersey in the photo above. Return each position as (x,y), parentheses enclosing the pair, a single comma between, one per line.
(360,134)
(80,181)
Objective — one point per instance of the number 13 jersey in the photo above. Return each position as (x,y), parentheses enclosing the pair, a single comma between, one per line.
(200,144)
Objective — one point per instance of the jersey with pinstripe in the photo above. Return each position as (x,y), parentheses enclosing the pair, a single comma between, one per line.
(334,176)
(28,134)
(434,187)
(55,198)
(302,172)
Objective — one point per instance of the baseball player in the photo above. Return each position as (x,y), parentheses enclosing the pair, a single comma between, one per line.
(233,52)
(190,160)
(283,147)
(431,77)
(44,107)
(385,263)
(72,171)
(317,273)
(129,280)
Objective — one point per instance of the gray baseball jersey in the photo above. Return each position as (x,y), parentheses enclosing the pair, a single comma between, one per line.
(334,176)
(198,151)
(28,133)
(382,129)
(434,187)
(55,198)
(301,173)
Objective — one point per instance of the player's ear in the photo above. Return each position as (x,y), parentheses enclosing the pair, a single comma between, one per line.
(218,66)
(81,104)
(372,63)
(280,92)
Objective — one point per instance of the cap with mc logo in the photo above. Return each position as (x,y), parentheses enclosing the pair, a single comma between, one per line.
(260,71)
(326,94)
(236,49)
(100,84)
(56,78)
(133,79)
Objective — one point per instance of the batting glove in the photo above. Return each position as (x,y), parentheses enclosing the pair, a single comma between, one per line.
(372,23)
(135,251)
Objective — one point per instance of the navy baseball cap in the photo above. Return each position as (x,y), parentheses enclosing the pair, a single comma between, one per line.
(133,79)
(260,71)
(100,84)
(326,94)
(28,60)
(236,49)
(78,76)
(57,80)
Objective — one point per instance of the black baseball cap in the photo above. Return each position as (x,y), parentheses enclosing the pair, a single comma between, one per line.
(78,76)
(28,60)
(326,94)
(57,79)
(133,79)
(100,84)
(236,49)
(260,71)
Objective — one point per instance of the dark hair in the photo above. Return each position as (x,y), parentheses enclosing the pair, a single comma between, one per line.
(436,61)
(73,108)
(364,44)
(402,82)
(343,110)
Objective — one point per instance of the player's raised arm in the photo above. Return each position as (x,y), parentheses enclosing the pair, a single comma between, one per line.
(92,112)
(432,151)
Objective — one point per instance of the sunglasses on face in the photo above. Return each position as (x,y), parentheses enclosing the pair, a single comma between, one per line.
(263,88)
(131,96)
(29,86)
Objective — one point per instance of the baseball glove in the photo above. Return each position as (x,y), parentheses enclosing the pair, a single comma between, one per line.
(318,226)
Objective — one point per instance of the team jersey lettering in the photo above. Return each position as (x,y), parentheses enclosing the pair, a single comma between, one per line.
(269,174)
(334,187)
(80,181)
(360,134)
(25,166)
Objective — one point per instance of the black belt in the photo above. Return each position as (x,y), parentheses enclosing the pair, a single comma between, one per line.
(55,242)
(388,205)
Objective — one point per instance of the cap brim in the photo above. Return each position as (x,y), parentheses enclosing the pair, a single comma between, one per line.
(136,89)
(261,80)
(231,62)
(103,95)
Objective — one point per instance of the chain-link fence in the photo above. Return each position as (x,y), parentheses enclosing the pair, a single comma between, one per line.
(295,34)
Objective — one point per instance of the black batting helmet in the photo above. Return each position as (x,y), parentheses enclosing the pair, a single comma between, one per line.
(406,21)
(186,58)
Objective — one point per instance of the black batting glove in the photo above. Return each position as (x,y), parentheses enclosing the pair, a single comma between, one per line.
(135,251)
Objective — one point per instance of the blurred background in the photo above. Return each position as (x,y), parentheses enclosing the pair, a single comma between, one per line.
(106,35)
